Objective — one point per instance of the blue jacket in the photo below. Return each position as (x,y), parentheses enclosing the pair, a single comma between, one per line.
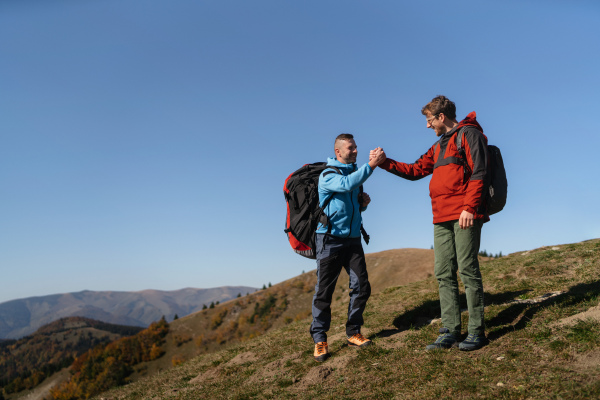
(343,210)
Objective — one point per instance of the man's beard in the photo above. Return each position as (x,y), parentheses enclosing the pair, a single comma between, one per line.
(439,131)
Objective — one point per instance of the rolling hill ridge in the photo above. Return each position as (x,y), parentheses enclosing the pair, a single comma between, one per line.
(22,317)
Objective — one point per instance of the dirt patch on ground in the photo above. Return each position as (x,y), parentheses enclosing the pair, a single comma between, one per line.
(242,358)
(213,373)
(340,361)
(275,368)
(207,375)
(588,362)
(592,313)
(315,376)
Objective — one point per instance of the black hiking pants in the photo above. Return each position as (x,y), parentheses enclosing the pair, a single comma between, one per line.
(333,254)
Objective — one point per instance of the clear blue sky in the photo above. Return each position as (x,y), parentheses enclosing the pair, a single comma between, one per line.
(144,144)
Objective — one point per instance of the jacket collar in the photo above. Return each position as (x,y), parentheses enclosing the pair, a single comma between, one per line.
(332,161)
(470,120)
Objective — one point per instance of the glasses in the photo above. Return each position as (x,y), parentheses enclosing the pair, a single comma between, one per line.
(431,119)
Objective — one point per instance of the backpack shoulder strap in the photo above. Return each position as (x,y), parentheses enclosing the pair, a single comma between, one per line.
(336,171)
(461,151)
(441,160)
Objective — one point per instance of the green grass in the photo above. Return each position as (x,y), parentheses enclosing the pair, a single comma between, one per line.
(531,354)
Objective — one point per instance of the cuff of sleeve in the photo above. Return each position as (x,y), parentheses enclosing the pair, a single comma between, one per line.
(387,165)
(469,209)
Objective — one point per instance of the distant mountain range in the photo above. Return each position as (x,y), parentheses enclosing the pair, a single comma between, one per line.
(22,317)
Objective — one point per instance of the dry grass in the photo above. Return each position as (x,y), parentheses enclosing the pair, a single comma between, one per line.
(539,316)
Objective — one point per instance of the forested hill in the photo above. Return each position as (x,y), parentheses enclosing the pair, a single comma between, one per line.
(26,362)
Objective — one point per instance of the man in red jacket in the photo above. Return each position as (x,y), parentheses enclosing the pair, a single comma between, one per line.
(457,194)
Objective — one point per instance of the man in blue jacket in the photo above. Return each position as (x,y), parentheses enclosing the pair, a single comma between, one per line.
(338,242)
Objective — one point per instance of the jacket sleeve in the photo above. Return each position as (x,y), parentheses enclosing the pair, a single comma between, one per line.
(475,144)
(415,171)
(344,183)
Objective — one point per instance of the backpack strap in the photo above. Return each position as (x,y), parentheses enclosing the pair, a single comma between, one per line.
(461,151)
(460,160)
(441,160)
(324,219)
(363,232)
(337,171)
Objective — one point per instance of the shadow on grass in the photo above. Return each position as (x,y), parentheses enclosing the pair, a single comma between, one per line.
(517,315)
(421,316)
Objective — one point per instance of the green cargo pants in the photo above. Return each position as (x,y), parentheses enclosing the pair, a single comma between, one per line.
(457,249)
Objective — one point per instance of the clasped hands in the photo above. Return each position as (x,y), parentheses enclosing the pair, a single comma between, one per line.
(376,157)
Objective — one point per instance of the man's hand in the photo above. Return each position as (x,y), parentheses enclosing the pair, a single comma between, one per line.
(466,220)
(364,200)
(376,157)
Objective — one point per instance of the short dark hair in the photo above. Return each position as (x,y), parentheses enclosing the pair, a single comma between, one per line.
(440,105)
(344,136)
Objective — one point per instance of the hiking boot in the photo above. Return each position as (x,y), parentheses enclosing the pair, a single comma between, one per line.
(321,351)
(445,340)
(473,342)
(358,340)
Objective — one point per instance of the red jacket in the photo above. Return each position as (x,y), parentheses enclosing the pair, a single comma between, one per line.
(452,187)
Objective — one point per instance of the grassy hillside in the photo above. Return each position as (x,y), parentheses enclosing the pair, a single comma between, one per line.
(250,316)
(541,316)
(230,323)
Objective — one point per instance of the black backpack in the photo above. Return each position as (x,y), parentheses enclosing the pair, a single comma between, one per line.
(495,197)
(303,212)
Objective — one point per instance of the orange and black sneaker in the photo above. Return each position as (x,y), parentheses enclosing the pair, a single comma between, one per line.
(321,351)
(359,340)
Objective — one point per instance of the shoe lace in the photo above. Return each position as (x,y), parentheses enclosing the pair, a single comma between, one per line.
(443,337)
(471,337)
(359,337)
(321,347)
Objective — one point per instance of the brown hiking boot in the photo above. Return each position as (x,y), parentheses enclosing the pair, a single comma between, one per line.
(359,340)
(321,351)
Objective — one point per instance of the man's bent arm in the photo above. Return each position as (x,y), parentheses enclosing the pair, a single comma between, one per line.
(419,169)
(345,183)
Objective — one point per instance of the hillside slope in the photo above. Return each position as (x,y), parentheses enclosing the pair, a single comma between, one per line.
(248,317)
(541,317)
(22,317)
